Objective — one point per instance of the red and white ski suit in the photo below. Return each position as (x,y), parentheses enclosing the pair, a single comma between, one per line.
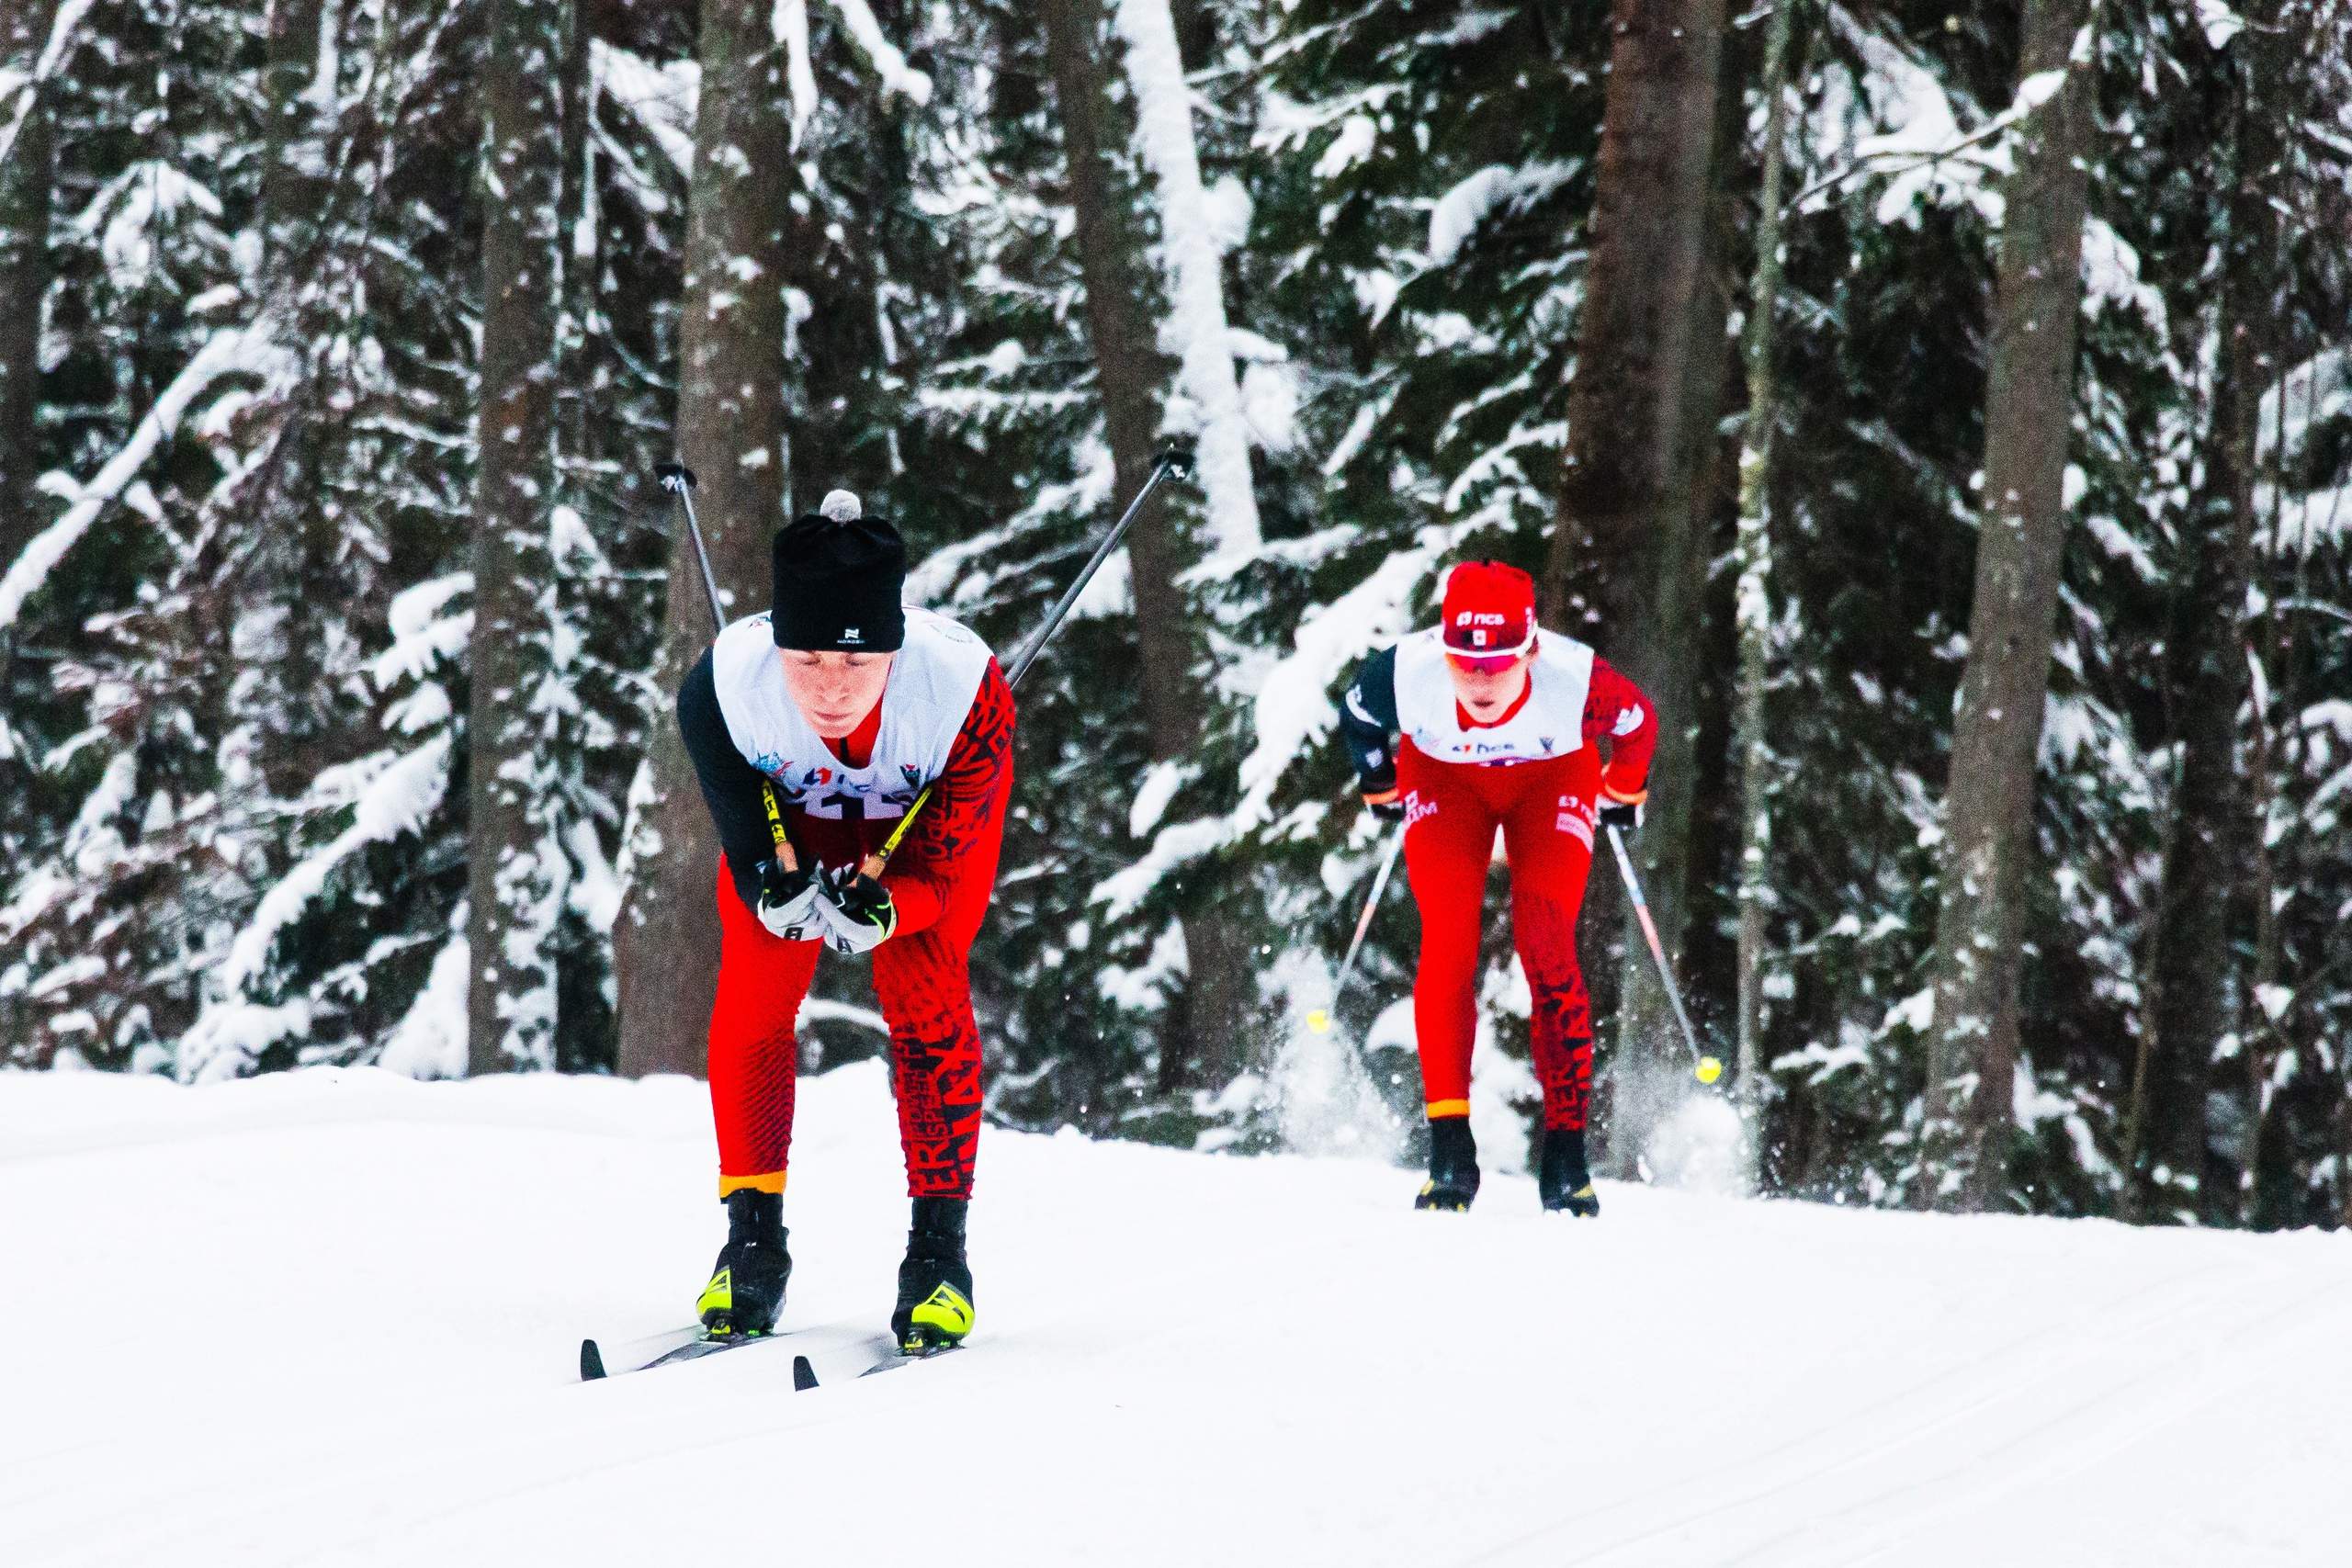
(1535,775)
(940,878)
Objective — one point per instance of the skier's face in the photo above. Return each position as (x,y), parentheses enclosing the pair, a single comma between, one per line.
(1485,694)
(834,692)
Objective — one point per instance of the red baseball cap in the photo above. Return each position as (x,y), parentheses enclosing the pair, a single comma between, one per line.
(1489,610)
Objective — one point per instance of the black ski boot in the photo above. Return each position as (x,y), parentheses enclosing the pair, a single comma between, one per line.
(1454,1166)
(1562,1180)
(746,1289)
(934,1283)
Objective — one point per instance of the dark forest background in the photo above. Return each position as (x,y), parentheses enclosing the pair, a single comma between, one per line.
(1942,409)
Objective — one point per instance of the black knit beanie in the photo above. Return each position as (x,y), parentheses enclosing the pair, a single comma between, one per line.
(838,584)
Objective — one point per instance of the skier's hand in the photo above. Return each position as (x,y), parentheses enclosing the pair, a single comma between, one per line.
(857,911)
(1625,815)
(1381,798)
(788,902)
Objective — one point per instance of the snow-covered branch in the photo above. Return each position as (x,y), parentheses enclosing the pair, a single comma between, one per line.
(251,350)
(1197,227)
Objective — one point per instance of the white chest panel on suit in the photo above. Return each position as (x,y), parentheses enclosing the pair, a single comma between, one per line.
(1550,723)
(932,681)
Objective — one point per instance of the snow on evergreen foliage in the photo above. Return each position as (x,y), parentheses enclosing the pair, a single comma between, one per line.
(232,812)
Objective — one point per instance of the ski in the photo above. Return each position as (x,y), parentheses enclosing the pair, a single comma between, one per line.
(898,1358)
(841,1351)
(685,1345)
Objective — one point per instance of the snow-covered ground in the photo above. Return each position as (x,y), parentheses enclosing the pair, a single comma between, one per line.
(331,1317)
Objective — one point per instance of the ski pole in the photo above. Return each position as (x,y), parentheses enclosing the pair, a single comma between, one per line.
(1175,461)
(1706,1068)
(1319,1021)
(679,480)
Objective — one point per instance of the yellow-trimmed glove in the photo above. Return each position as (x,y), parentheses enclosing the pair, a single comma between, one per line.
(858,911)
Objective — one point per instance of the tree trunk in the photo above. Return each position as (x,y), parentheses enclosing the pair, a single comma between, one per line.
(509,995)
(2205,869)
(294,174)
(2213,839)
(1132,372)
(1625,552)
(26,175)
(305,539)
(1988,812)
(1754,599)
(731,431)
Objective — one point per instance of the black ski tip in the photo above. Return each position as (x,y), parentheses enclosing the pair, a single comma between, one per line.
(804,1376)
(1177,454)
(592,1361)
(675,476)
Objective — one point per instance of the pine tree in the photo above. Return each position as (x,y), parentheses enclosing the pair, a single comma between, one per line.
(731,426)
(1626,552)
(27,171)
(511,993)
(1988,805)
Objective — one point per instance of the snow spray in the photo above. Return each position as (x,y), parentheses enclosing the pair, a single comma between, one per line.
(1702,1147)
(1324,1098)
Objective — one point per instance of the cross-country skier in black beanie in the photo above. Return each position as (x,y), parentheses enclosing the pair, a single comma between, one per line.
(842,705)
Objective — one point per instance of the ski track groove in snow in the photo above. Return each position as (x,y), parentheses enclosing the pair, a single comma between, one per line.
(1180,1359)
(1872,1448)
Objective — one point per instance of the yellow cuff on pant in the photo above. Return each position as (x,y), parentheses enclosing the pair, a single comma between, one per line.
(1442,1109)
(771,1181)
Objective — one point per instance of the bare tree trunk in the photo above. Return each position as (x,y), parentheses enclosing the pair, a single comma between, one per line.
(1753,598)
(294,176)
(576,244)
(1623,554)
(304,536)
(2215,833)
(26,175)
(2261,1205)
(1988,811)
(1132,372)
(2203,887)
(514,487)
(731,431)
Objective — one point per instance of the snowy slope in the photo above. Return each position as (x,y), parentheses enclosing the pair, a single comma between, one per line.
(331,1317)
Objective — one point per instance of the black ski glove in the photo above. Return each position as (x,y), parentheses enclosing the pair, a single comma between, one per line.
(857,910)
(1380,796)
(787,902)
(1625,815)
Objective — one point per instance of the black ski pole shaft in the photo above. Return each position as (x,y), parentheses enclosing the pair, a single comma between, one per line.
(1175,461)
(679,480)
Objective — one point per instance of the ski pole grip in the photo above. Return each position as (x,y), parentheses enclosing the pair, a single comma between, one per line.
(784,855)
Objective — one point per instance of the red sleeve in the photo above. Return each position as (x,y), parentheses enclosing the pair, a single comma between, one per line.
(1615,708)
(948,859)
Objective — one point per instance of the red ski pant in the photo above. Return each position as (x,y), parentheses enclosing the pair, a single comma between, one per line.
(924,982)
(1546,812)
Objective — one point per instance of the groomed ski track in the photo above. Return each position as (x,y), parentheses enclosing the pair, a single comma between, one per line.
(334,1317)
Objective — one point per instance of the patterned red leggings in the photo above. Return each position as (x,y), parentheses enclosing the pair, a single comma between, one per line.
(1546,812)
(924,982)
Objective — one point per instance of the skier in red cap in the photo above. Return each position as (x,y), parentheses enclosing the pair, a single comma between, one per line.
(1499,721)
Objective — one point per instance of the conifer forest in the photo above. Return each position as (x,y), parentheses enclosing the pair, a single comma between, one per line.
(1942,409)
